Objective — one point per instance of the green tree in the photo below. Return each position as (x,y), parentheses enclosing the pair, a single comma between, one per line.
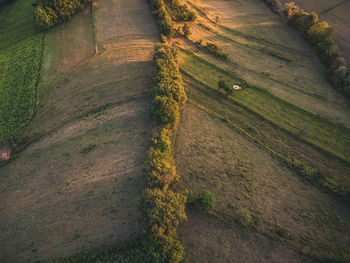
(186,30)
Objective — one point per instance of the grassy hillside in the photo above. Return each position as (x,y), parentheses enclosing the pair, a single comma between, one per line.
(264,51)
(336,14)
(20,56)
(259,149)
(77,182)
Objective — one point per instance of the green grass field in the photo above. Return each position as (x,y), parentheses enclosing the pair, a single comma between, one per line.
(20,57)
(322,133)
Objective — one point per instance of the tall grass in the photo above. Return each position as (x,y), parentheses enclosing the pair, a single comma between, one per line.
(20,58)
(325,135)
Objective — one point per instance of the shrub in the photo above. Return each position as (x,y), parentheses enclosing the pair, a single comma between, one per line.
(163,212)
(243,216)
(160,168)
(222,85)
(45,17)
(206,200)
(164,20)
(163,142)
(165,111)
(165,249)
(186,30)
(214,49)
(179,12)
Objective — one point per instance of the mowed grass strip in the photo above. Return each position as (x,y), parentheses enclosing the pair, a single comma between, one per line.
(326,135)
(20,56)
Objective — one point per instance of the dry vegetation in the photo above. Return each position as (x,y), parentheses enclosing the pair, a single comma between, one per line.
(241,148)
(272,157)
(253,36)
(77,182)
(336,14)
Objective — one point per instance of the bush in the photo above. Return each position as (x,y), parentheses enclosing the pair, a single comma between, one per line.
(164,20)
(186,30)
(243,217)
(179,12)
(45,17)
(206,200)
(222,85)
(165,111)
(165,249)
(160,168)
(214,49)
(163,212)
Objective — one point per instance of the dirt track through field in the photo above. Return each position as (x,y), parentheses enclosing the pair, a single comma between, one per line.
(76,185)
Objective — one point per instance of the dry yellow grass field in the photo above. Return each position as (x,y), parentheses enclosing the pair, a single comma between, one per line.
(76,184)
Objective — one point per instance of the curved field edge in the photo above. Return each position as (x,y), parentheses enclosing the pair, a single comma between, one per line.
(322,133)
(21,48)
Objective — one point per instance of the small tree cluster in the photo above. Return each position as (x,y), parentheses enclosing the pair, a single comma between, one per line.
(51,12)
(321,36)
(165,23)
(214,49)
(186,30)
(180,12)
(222,85)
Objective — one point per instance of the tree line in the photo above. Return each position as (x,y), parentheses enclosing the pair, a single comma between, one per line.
(49,13)
(164,209)
(168,11)
(321,36)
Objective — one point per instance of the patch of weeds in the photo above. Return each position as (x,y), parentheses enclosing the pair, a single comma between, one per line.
(282,232)
(243,216)
(88,149)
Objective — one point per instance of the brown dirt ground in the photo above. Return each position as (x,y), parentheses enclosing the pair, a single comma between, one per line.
(76,184)
(212,156)
(208,240)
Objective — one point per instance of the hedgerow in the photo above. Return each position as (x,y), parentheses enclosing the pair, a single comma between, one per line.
(165,23)
(51,12)
(179,12)
(321,36)
(168,11)
(164,209)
